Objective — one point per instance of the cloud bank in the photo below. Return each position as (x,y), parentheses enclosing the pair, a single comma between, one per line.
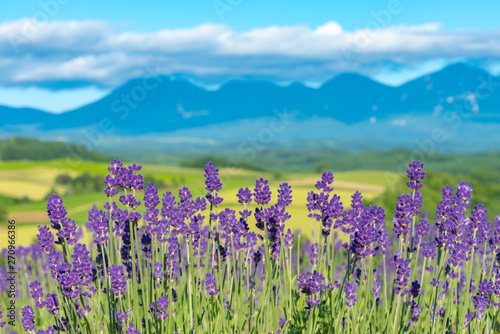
(62,54)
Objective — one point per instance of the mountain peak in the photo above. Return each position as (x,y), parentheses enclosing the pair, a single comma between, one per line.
(350,79)
(461,69)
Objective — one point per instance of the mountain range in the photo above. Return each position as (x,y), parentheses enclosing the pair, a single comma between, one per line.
(165,106)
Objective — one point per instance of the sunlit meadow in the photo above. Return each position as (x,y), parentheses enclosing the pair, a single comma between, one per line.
(192,265)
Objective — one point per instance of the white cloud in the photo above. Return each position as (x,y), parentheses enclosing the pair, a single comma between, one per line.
(95,53)
(27,35)
(397,76)
(329,28)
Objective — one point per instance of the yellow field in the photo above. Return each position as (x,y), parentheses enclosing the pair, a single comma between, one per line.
(29,189)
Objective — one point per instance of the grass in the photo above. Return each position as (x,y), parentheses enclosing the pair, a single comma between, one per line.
(36,179)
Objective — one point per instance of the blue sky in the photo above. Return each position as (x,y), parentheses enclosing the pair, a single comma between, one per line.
(75,52)
(247,14)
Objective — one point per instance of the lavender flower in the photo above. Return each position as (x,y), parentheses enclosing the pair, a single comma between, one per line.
(81,311)
(403,216)
(161,308)
(162,304)
(132,330)
(210,285)
(37,293)
(82,267)
(28,317)
(56,211)
(213,185)
(128,177)
(314,254)
(158,273)
(99,222)
(168,203)
(312,301)
(223,254)
(227,220)
(415,289)
(261,217)
(123,316)
(262,192)
(402,273)
(2,323)
(377,287)
(277,216)
(478,216)
(118,279)
(482,299)
(284,195)
(45,238)
(415,174)
(244,196)
(429,251)
(468,318)
(130,201)
(325,182)
(289,239)
(351,216)
(146,243)
(212,180)
(200,204)
(52,304)
(350,294)
(257,256)
(214,199)
(310,283)
(112,180)
(174,295)
(384,242)
(415,312)
(65,227)
(464,191)
(357,202)
(422,228)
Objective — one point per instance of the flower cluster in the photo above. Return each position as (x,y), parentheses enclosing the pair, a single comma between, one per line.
(118,279)
(213,184)
(65,227)
(350,294)
(310,283)
(408,206)
(159,309)
(322,208)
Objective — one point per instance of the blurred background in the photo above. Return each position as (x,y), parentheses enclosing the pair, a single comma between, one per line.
(281,90)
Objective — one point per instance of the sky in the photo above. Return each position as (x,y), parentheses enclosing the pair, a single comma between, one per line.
(56,55)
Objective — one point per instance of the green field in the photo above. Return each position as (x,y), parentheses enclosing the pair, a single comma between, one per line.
(35,180)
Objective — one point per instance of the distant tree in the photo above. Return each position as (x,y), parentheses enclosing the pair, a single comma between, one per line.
(3,212)
(218,161)
(159,183)
(63,179)
(321,166)
(19,148)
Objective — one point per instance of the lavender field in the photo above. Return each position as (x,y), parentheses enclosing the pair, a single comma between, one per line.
(190,265)
(249,167)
